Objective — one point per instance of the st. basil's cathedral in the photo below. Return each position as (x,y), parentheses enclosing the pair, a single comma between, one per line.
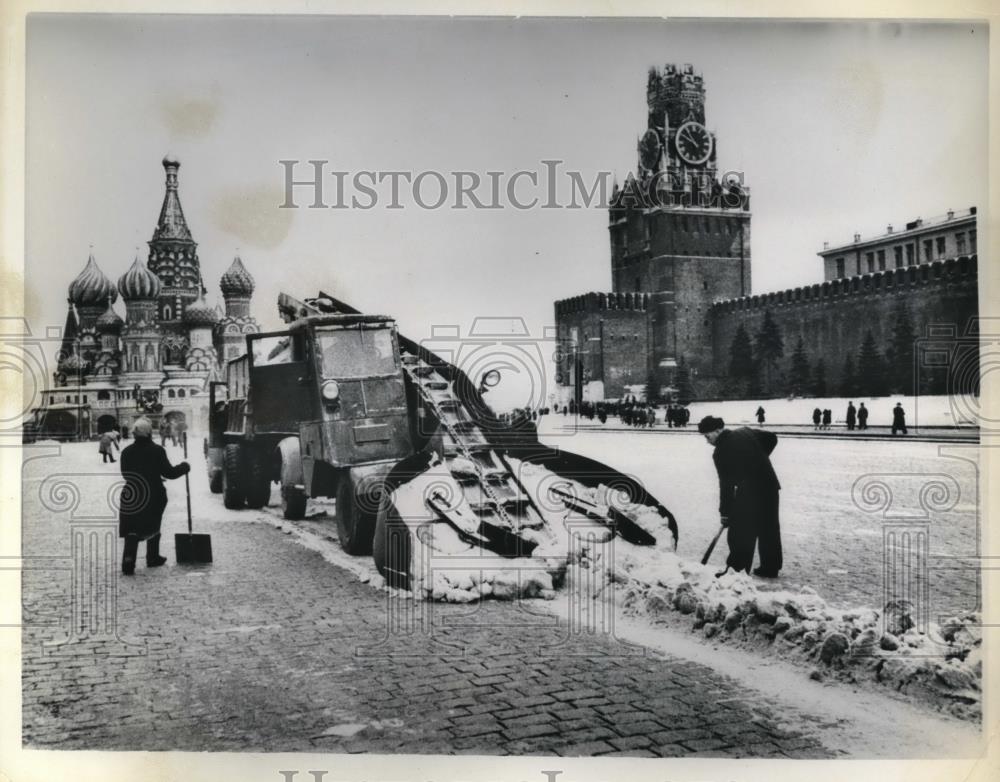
(157,361)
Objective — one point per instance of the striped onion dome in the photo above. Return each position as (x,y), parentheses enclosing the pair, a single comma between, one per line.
(110,320)
(237,280)
(139,282)
(199,313)
(91,287)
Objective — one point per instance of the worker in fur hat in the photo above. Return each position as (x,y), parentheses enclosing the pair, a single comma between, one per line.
(748,495)
(144,465)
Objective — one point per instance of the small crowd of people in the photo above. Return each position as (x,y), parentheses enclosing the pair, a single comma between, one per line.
(857,418)
(630,411)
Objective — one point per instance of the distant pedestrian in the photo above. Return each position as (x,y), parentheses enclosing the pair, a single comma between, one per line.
(109,440)
(852,415)
(760,416)
(164,431)
(748,495)
(144,465)
(862,416)
(898,419)
(817,417)
(827,418)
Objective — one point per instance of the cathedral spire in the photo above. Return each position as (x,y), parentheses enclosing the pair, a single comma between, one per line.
(171,224)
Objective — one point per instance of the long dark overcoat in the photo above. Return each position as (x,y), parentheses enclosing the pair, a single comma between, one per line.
(748,496)
(144,465)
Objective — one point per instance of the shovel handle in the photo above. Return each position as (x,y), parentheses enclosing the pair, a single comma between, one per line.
(187,483)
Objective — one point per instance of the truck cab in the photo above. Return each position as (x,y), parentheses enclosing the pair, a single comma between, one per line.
(324,412)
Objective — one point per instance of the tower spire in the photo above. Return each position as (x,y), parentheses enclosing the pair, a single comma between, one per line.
(171,224)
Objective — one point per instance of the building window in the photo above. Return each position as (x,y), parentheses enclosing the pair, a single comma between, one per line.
(170,393)
(840,268)
(52,400)
(181,393)
(972,240)
(909,255)
(881,260)
(85,399)
(101,395)
(960,243)
(637,286)
(928,250)
(940,247)
(898,253)
(870,262)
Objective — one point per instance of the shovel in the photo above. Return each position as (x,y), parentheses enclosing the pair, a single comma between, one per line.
(191,548)
(711,546)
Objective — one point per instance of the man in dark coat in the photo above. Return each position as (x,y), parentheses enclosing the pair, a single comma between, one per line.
(144,465)
(898,419)
(748,495)
(862,416)
(852,414)
(817,416)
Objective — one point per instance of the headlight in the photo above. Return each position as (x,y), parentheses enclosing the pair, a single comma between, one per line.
(331,391)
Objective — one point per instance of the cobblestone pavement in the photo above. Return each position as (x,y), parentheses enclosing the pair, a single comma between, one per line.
(260,651)
(831,541)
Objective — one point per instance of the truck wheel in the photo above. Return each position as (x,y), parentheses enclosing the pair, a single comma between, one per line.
(391,546)
(293,503)
(215,482)
(258,489)
(232,477)
(355,521)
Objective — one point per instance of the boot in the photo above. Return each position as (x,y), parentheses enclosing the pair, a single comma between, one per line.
(129,554)
(153,558)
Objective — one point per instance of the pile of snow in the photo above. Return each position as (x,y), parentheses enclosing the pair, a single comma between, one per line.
(941,664)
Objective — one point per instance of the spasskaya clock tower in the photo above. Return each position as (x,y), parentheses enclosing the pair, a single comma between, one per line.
(680,231)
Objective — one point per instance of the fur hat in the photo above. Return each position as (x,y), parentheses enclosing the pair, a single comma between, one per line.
(710,424)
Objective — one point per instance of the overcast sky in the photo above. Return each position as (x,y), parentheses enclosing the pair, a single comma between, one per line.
(837,127)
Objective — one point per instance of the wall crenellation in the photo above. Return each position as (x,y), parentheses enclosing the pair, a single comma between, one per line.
(597,302)
(963,267)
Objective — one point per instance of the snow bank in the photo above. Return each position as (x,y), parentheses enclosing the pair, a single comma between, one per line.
(940,664)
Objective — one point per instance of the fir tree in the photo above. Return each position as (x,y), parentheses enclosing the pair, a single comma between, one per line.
(741,354)
(848,378)
(819,379)
(769,348)
(900,351)
(799,372)
(871,369)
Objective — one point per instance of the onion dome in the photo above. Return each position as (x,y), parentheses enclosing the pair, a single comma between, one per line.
(91,287)
(237,280)
(139,282)
(199,313)
(110,320)
(73,363)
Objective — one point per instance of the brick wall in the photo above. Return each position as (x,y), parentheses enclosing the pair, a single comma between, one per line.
(832,317)
(612,339)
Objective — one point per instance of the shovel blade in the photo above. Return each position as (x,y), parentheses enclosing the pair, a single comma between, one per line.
(191,548)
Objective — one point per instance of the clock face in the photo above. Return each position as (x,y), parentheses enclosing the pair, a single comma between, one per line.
(649,149)
(694,143)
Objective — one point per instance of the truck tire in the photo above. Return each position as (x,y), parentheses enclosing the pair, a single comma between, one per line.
(391,546)
(355,521)
(232,477)
(258,488)
(293,503)
(215,482)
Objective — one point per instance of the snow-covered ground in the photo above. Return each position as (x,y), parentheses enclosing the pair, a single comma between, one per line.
(920,411)
(831,541)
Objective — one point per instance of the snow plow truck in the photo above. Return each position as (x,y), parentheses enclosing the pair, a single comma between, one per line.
(340,405)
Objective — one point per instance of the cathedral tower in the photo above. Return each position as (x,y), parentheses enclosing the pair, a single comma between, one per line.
(237,287)
(173,258)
